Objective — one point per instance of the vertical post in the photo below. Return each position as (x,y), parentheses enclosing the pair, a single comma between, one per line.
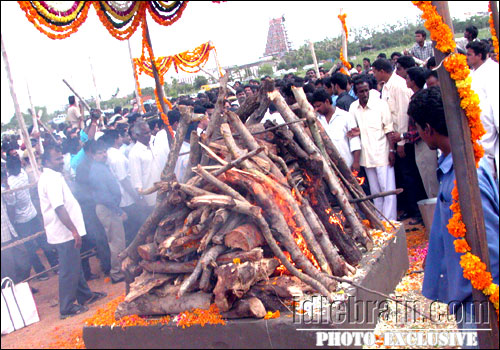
(159,87)
(97,100)
(468,188)
(494,12)
(315,61)
(137,97)
(19,116)
(35,119)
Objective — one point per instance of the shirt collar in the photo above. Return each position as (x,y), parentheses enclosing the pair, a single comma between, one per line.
(445,164)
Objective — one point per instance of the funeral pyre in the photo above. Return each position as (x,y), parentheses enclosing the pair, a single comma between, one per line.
(268,211)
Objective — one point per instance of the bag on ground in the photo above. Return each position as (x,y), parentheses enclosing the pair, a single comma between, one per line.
(18,306)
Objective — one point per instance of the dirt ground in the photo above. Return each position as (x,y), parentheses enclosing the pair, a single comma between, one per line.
(51,332)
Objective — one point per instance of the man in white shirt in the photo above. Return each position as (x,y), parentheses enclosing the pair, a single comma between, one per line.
(485,82)
(119,166)
(377,153)
(64,227)
(144,165)
(337,124)
(397,95)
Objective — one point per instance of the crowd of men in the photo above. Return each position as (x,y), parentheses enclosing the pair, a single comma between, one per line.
(94,172)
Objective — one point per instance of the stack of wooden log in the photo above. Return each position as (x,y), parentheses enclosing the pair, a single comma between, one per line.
(259,218)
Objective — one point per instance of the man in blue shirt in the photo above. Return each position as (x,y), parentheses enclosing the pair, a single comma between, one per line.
(107,196)
(443,279)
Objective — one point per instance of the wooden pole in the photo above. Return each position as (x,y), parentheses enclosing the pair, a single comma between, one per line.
(81,99)
(468,188)
(344,42)
(159,87)
(137,96)
(494,12)
(315,61)
(97,100)
(19,116)
(35,119)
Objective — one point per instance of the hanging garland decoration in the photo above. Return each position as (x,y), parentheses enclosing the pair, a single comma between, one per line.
(342,58)
(193,60)
(456,64)
(52,22)
(121,18)
(492,29)
(166,13)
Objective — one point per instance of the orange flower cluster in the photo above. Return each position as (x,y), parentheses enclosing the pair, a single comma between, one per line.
(492,29)
(440,32)
(456,65)
(342,20)
(271,315)
(191,61)
(201,317)
(139,14)
(51,30)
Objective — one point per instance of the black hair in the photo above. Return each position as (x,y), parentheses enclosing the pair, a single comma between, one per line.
(417,74)
(310,69)
(367,59)
(382,64)
(46,154)
(71,100)
(360,79)
(239,91)
(479,48)
(153,123)
(340,79)
(272,108)
(99,145)
(209,105)
(309,88)
(13,165)
(118,109)
(426,107)
(327,82)
(472,30)
(421,32)
(110,136)
(132,118)
(395,53)
(320,95)
(359,65)
(61,126)
(191,127)
(253,81)
(406,62)
(173,116)
(199,109)
(382,55)
(431,62)
(431,73)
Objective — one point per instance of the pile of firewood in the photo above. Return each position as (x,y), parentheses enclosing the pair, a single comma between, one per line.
(267,211)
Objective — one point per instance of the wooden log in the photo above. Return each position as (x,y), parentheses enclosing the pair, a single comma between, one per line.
(332,181)
(234,280)
(205,279)
(234,221)
(151,304)
(148,251)
(250,104)
(255,254)
(219,219)
(182,241)
(144,283)
(245,237)
(264,102)
(284,287)
(168,171)
(194,153)
(209,255)
(171,267)
(244,308)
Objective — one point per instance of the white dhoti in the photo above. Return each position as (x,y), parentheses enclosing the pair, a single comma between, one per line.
(382,179)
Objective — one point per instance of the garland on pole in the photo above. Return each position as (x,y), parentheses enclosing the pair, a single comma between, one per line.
(342,58)
(456,64)
(492,29)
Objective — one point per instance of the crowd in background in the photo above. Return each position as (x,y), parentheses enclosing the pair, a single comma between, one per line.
(97,169)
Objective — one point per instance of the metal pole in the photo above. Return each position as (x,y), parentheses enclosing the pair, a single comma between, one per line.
(19,116)
(468,189)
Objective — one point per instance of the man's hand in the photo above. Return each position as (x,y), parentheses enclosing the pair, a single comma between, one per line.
(78,240)
(355,167)
(392,159)
(394,137)
(401,151)
(353,133)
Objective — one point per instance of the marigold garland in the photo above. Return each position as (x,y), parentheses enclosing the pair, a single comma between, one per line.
(492,29)
(456,64)
(342,58)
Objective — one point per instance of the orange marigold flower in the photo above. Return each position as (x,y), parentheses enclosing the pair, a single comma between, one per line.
(461,246)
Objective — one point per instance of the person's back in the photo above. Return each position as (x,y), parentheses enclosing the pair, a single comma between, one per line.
(24,208)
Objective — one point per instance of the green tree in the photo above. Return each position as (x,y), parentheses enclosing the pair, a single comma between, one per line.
(199,81)
(266,69)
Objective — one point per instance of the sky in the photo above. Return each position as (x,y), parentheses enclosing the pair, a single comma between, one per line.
(237,29)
